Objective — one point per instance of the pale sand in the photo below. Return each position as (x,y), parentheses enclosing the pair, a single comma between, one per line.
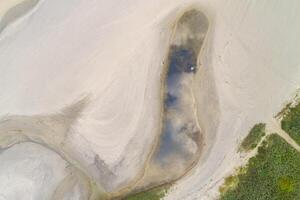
(8,4)
(12,10)
(252,53)
(112,52)
(30,171)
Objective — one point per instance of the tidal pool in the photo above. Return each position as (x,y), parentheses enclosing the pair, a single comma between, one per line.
(180,142)
(179,126)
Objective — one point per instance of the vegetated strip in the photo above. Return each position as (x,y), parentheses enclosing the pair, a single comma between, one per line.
(291,122)
(273,174)
(254,137)
(152,194)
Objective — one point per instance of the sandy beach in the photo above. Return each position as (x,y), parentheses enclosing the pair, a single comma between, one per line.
(84,78)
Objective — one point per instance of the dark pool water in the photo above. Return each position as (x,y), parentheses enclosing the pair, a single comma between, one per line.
(182,61)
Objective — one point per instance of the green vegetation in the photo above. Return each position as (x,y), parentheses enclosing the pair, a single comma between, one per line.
(291,122)
(153,194)
(230,183)
(284,111)
(254,137)
(273,174)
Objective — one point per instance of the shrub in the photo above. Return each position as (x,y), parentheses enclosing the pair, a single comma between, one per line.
(291,122)
(273,174)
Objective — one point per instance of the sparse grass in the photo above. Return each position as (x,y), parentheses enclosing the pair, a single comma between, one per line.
(153,194)
(254,137)
(291,122)
(230,183)
(284,111)
(273,174)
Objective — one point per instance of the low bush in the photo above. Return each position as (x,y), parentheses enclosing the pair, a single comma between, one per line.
(273,174)
(291,122)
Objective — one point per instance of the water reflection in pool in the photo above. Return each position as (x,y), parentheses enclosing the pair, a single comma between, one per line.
(179,120)
(180,140)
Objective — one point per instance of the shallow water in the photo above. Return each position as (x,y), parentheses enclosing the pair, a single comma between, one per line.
(177,122)
(180,140)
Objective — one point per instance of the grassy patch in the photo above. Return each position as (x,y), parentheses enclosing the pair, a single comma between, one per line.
(230,183)
(153,194)
(284,111)
(291,122)
(254,137)
(273,174)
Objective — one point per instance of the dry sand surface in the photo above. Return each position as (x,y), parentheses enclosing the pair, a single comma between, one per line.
(13,10)
(83,78)
(6,5)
